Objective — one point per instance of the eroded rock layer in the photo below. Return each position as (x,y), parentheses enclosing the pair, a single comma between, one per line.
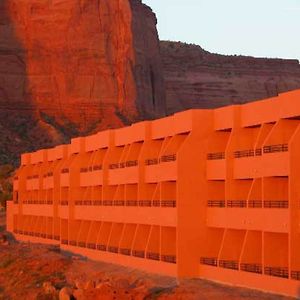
(195,78)
(70,67)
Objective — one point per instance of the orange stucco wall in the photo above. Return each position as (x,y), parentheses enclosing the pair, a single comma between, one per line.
(203,193)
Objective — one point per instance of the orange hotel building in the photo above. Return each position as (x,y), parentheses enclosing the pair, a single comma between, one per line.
(212,194)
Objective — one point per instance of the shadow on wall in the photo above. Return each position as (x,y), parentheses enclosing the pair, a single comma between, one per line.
(20,128)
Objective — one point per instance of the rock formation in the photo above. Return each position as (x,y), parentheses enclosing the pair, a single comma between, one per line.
(195,78)
(72,67)
(75,66)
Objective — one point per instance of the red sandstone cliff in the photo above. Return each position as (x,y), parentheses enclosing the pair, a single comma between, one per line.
(69,67)
(195,78)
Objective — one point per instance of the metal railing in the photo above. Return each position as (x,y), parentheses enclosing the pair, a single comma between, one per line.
(216,203)
(150,162)
(247,153)
(243,153)
(125,251)
(276,204)
(210,261)
(119,203)
(145,203)
(295,275)
(122,165)
(276,271)
(216,156)
(252,268)
(236,203)
(168,203)
(255,203)
(113,249)
(168,158)
(169,258)
(276,148)
(162,159)
(101,247)
(153,256)
(131,202)
(91,246)
(33,177)
(138,253)
(229,264)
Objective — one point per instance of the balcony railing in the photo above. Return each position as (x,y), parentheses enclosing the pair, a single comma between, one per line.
(210,261)
(251,203)
(145,203)
(236,203)
(91,169)
(38,202)
(169,258)
(255,203)
(49,174)
(229,264)
(33,177)
(101,247)
(162,159)
(82,244)
(247,153)
(276,204)
(113,249)
(252,268)
(216,156)
(91,246)
(168,158)
(135,203)
(150,162)
(216,203)
(276,148)
(243,153)
(168,203)
(277,272)
(125,251)
(138,253)
(153,256)
(295,275)
(131,163)
(122,165)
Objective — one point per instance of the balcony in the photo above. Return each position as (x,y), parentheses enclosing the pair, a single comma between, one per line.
(48,181)
(216,166)
(271,160)
(248,219)
(161,169)
(123,173)
(92,176)
(155,215)
(32,183)
(65,178)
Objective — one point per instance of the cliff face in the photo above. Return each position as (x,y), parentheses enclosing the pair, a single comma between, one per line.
(195,78)
(70,67)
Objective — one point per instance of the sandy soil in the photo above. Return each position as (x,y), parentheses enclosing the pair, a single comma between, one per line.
(31,271)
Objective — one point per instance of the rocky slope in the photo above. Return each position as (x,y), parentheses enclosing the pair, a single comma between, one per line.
(195,78)
(70,67)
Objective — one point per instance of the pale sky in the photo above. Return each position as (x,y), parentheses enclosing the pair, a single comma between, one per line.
(261,28)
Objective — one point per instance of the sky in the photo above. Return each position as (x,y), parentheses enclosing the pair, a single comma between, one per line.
(261,28)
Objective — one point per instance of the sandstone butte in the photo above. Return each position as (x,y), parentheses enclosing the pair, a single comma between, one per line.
(73,67)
